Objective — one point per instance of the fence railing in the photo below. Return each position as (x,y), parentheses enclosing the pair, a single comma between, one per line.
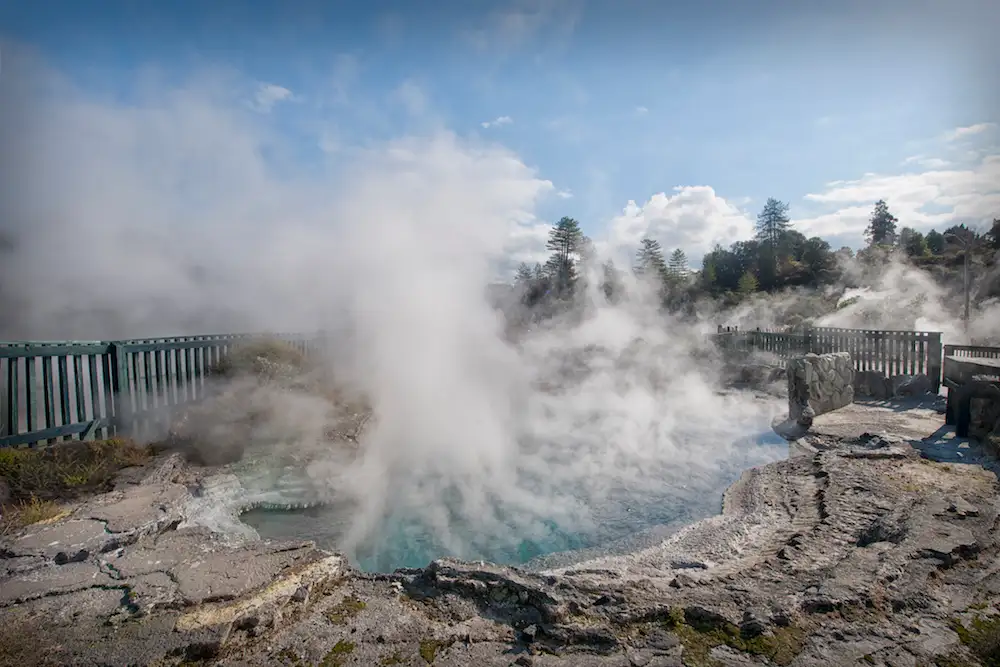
(972,351)
(70,390)
(892,352)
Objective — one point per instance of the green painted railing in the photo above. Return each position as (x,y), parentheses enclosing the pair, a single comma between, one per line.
(68,390)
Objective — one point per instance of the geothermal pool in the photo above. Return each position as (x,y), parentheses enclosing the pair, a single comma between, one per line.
(612,520)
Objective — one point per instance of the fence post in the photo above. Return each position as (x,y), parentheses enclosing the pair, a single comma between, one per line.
(807,339)
(934,354)
(120,388)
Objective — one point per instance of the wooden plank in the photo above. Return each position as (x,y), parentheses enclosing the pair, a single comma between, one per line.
(48,393)
(934,360)
(182,393)
(162,381)
(150,380)
(135,383)
(64,405)
(80,390)
(13,398)
(31,393)
(112,403)
(189,371)
(96,393)
(202,353)
(171,345)
(981,362)
(51,434)
(41,350)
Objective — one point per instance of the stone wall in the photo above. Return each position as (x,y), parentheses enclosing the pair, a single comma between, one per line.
(817,384)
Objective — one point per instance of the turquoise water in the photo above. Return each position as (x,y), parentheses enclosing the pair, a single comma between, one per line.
(511,536)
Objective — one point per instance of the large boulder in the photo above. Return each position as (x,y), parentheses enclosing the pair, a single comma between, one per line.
(817,384)
(875,384)
(872,384)
(911,385)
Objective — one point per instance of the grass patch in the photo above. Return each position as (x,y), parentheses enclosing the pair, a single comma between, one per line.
(700,636)
(981,637)
(953,660)
(67,470)
(268,358)
(287,656)
(345,610)
(338,654)
(395,659)
(429,649)
(24,513)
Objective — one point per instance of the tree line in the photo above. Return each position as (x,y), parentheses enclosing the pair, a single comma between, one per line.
(777,257)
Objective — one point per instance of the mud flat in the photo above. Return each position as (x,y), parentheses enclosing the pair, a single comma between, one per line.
(861,550)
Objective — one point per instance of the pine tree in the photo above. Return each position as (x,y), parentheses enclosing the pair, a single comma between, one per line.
(748,284)
(565,240)
(708,274)
(649,259)
(539,272)
(913,243)
(935,242)
(993,235)
(881,225)
(523,275)
(772,223)
(677,267)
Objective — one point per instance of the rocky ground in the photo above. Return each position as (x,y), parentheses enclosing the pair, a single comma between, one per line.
(857,551)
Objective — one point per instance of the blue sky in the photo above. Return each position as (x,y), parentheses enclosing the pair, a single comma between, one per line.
(718,104)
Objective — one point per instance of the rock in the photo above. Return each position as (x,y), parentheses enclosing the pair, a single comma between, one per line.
(758,375)
(805,417)
(818,384)
(872,384)
(911,385)
(881,553)
(984,417)
(790,430)
(751,626)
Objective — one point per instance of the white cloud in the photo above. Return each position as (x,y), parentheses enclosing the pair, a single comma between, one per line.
(512,27)
(527,244)
(269,94)
(963,132)
(412,97)
(641,110)
(497,122)
(935,198)
(694,219)
(926,162)
(564,194)
(329,141)
(346,69)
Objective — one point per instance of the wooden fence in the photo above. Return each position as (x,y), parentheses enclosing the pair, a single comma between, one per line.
(892,352)
(69,390)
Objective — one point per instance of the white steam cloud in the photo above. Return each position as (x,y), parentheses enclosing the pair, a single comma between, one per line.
(161,216)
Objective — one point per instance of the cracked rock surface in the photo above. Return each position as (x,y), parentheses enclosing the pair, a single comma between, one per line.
(859,551)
